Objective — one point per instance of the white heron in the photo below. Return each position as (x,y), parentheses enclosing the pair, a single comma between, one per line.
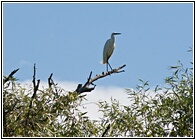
(108,49)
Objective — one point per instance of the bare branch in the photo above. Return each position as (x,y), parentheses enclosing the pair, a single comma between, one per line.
(35,89)
(86,88)
(50,81)
(10,76)
(34,84)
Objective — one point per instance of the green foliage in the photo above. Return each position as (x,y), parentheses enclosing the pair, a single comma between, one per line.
(53,114)
(161,112)
(168,112)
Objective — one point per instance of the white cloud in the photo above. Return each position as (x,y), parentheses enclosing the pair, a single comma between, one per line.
(104,94)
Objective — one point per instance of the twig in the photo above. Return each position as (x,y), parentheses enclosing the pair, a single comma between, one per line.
(51,82)
(35,89)
(86,88)
(34,84)
(106,130)
(10,76)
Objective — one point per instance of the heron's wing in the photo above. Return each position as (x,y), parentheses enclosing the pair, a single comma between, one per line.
(108,50)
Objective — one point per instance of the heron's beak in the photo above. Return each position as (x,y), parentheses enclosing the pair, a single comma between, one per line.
(117,33)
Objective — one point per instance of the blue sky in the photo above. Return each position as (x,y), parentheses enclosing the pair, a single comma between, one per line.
(67,39)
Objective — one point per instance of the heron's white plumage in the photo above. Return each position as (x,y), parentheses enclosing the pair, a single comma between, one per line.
(108,49)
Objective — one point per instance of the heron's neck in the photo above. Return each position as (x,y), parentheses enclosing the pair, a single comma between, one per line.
(112,37)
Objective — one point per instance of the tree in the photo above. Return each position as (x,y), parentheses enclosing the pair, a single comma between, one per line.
(54,112)
(168,113)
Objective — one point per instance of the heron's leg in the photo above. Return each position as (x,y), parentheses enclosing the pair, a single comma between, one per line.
(110,66)
(107,67)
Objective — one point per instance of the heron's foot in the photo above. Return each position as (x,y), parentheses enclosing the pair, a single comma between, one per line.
(109,72)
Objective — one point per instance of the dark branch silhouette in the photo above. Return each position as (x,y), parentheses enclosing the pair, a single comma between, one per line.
(106,130)
(10,76)
(86,88)
(50,83)
(80,88)
(35,89)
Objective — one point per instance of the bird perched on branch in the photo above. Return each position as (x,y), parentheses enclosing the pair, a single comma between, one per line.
(108,50)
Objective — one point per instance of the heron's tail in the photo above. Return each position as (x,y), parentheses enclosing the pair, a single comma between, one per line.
(102,62)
